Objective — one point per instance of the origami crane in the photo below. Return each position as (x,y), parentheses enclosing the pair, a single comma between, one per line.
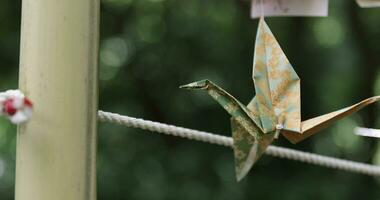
(276,107)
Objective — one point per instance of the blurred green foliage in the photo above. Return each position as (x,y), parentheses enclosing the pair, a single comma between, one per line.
(150,47)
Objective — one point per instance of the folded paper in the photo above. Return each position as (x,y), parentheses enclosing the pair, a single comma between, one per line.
(309,8)
(368,3)
(276,107)
(367,132)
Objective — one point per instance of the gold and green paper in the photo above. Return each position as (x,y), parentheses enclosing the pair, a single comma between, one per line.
(276,107)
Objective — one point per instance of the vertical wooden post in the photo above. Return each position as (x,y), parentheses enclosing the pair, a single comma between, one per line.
(56,150)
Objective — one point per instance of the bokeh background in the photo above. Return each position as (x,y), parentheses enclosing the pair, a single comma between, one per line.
(150,47)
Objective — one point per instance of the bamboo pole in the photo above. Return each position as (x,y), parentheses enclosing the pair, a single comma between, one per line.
(56,150)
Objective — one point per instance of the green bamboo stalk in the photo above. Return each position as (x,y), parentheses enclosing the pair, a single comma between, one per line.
(56,150)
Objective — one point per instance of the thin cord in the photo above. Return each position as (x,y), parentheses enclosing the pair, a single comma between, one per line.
(281,152)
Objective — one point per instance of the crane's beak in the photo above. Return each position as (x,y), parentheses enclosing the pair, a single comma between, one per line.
(203,84)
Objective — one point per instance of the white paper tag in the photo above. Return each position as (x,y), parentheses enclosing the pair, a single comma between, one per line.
(368,3)
(367,132)
(311,8)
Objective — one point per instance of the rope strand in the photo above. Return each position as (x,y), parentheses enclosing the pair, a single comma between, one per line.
(281,152)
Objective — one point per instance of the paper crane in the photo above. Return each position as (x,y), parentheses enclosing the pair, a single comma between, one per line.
(276,108)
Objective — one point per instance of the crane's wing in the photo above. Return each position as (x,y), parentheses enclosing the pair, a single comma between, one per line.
(312,126)
(277,85)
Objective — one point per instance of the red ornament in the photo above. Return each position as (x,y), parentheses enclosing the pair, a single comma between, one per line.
(9,108)
(27,102)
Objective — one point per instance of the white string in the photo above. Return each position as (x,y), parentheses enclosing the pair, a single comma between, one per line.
(280,152)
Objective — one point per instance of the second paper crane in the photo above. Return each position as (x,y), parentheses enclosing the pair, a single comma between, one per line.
(276,107)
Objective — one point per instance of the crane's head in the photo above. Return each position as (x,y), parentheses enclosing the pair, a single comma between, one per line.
(203,84)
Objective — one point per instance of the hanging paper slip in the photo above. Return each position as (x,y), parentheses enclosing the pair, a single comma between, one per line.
(312,8)
(367,132)
(368,3)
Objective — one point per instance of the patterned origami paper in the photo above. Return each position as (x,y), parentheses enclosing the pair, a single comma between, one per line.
(276,107)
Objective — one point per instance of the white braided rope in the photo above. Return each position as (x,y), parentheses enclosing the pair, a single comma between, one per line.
(280,152)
